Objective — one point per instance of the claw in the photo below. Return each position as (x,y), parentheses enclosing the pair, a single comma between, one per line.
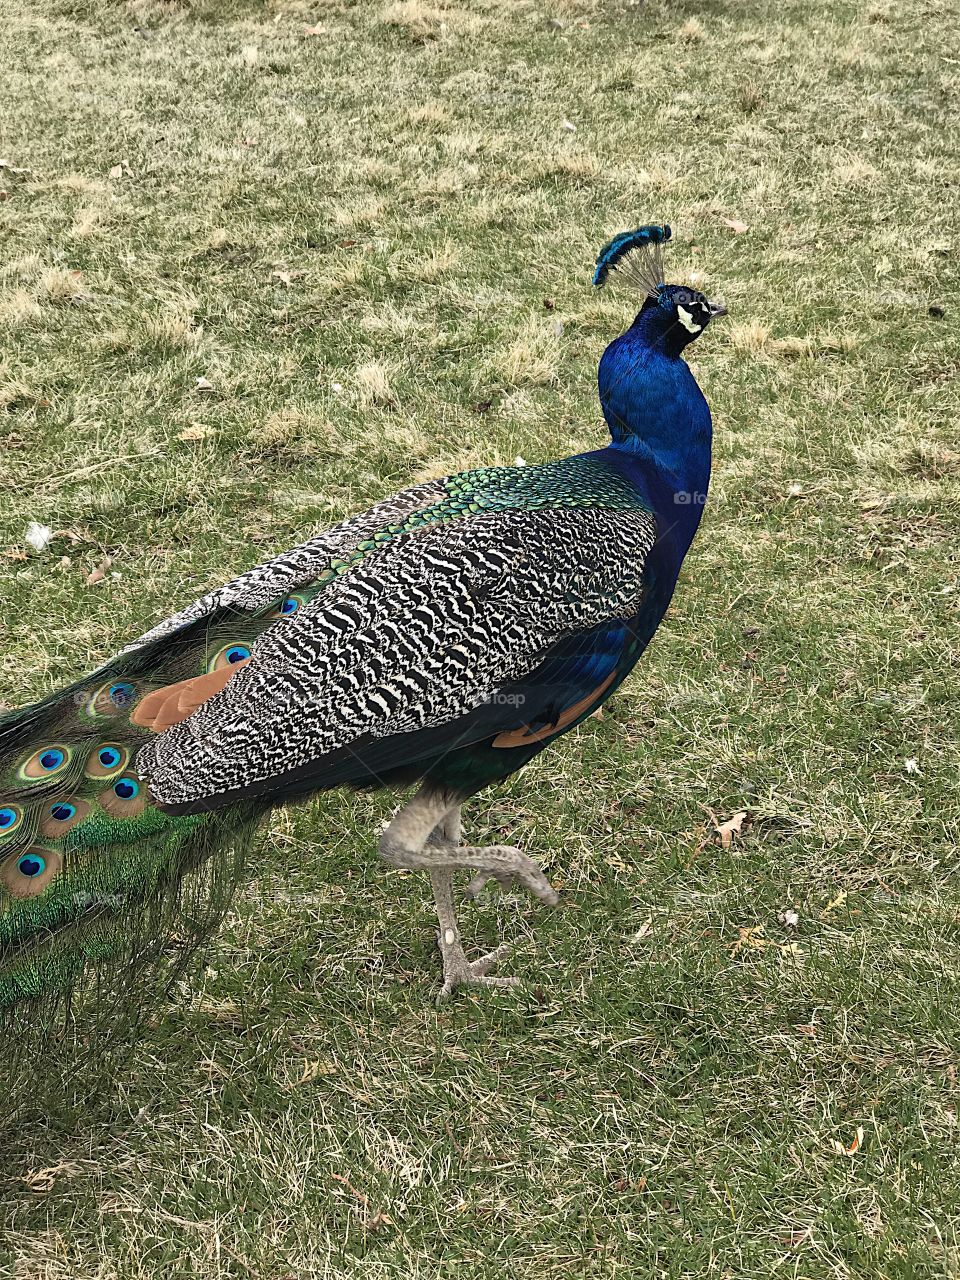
(475,973)
(425,836)
(482,879)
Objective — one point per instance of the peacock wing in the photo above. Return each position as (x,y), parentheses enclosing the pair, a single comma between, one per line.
(405,653)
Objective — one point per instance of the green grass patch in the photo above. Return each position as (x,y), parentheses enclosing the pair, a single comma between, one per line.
(361,225)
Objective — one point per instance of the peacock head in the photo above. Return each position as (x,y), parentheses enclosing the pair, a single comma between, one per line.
(672,315)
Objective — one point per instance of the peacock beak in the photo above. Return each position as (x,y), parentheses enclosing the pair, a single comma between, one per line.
(717,309)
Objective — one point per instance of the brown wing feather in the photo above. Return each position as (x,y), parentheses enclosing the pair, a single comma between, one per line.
(174,702)
(525,734)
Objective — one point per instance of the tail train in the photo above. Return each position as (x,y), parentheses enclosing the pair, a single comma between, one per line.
(96,882)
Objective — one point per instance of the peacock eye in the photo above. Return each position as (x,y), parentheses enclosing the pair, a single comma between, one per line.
(126,798)
(10,819)
(31,864)
(108,758)
(29,875)
(44,763)
(112,698)
(121,694)
(62,816)
(229,656)
(287,606)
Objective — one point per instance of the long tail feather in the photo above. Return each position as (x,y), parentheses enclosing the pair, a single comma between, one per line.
(102,894)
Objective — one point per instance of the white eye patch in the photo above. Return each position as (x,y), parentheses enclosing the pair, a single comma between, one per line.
(687,320)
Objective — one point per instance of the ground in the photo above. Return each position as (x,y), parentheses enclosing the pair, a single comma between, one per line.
(264,263)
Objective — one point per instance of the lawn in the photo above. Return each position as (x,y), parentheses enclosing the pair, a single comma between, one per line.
(265,263)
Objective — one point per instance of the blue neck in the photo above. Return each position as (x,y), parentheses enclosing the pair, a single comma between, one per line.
(659,423)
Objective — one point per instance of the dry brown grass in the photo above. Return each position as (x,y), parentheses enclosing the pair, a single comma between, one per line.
(352,234)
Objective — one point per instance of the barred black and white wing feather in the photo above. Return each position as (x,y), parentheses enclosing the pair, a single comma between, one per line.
(403,656)
(261,586)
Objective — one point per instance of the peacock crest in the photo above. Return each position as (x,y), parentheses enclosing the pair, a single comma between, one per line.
(637,256)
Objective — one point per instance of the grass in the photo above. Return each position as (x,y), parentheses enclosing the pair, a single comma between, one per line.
(370,229)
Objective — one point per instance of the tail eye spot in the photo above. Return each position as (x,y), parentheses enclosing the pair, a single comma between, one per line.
(109,757)
(51,759)
(126,789)
(121,693)
(31,864)
(8,817)
(231,655)
(62,812)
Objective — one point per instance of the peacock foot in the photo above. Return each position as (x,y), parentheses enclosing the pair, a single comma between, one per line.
(500,862)
(425,836)
(507,866)
(458,971)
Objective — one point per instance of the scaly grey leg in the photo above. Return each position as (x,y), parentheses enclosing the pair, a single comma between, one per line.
(424,837)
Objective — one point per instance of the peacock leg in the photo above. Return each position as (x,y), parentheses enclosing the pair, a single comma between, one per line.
(422,837)
(448,830)
(458,971)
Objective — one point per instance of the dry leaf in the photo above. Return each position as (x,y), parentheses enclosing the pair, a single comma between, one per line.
(854,1146)
(838,901)
(318,29)
(312,1070)
(100,572)
(196,431)
(43,1180)
(732,827)
(286,277)
(120,169)
(750,938)
(204,384)
(735,225)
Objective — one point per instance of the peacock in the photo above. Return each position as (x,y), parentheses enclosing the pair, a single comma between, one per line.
(441,639)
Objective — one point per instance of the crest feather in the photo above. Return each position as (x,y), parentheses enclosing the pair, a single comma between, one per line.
(637,255)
